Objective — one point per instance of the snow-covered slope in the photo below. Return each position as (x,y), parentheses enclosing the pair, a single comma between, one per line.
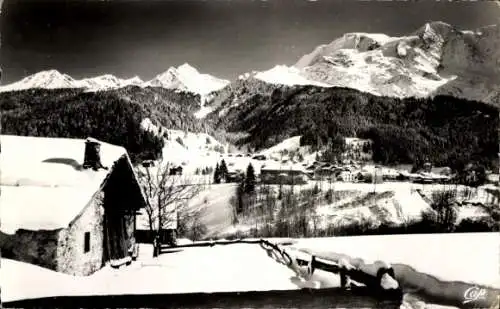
(281,74)
(187,78)
(191,150)
(289,145)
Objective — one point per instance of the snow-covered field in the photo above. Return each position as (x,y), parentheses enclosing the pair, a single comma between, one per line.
(216,209)
(469,258)
(221,268)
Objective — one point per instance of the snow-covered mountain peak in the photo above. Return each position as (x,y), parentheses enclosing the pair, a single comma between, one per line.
(50,79)
(51,72)
(186,68)
(436,28)
(187,78)
(49,76)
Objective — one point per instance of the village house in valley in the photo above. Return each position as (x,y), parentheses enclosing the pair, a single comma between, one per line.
(283,174)
(67,204)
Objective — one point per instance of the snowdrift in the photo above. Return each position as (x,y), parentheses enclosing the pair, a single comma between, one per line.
(438,268)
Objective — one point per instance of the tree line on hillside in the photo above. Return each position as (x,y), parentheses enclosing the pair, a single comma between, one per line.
(112,116)
(331,151)
(443,129)
(172,109)
(75,114)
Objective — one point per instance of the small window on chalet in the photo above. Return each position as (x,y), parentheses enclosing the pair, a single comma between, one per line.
(86,244)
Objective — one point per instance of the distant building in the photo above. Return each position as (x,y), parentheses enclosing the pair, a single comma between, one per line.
(66,204)
(370,174)
(326,172)
(347,176)
(285,175)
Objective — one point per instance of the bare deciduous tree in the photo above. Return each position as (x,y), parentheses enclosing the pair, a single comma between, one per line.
(167,194)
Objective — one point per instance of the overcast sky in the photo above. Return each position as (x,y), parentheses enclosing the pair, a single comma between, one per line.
(223,38)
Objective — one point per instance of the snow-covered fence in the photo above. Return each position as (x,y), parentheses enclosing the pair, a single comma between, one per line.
(382,280)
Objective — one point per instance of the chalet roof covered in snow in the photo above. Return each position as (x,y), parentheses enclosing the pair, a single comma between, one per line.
(43,183)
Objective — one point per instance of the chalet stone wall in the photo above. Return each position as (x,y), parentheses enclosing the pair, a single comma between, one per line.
(35,247)
(71,257)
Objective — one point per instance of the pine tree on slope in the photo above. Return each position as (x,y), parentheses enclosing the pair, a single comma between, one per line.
(223,170)
(217,174)
(250,179)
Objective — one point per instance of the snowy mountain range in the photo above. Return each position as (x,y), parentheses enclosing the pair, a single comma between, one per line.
(53,79)
(183,78)
(435,59)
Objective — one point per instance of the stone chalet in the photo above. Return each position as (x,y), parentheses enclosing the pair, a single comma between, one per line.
(67,204)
